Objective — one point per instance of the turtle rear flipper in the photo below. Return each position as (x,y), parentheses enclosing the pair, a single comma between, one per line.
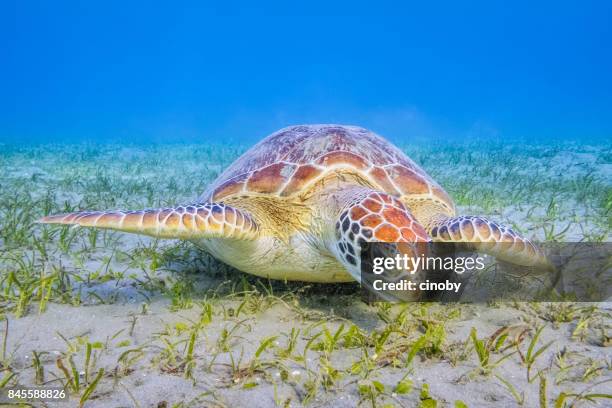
(208,220)
(490,237)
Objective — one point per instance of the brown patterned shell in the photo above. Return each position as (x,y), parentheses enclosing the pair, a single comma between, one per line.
(288,161)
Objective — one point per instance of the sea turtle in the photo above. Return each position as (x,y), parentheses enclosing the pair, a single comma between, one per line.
(299,203)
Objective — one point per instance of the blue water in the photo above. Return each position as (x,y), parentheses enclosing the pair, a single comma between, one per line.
(199,73)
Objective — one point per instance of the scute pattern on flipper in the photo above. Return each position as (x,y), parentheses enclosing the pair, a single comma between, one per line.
(490,236)
(214,219)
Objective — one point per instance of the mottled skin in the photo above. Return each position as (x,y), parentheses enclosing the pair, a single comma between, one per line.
(297,205)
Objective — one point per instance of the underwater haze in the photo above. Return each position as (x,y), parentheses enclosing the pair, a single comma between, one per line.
(201,73)
(131,105)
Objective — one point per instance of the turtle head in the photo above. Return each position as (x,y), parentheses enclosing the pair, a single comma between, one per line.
(366,216)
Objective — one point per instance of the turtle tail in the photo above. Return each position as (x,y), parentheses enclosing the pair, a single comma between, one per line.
(208,220)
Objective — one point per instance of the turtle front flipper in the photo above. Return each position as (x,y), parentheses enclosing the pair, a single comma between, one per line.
(207,220)
(490,237)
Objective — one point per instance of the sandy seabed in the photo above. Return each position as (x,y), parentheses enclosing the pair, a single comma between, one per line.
(122,320)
